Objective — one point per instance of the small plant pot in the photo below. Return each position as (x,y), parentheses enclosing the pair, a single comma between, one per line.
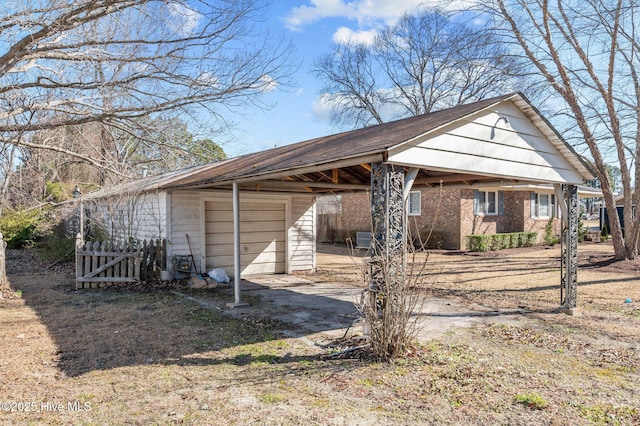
(166,275)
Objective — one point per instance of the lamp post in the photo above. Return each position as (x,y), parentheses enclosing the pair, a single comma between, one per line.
(77,194)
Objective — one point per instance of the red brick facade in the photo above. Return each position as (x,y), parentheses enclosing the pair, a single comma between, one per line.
(447,217)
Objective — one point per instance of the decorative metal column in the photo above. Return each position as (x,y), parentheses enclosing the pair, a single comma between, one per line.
(389,232)
(570,251)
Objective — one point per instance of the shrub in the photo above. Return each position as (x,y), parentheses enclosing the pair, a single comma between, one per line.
(604,232)
(21,229)
(479,242)
(582,230)
(57,191)
(550,237)
(486,242)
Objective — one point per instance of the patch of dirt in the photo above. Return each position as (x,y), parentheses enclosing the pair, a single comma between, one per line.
(609,263)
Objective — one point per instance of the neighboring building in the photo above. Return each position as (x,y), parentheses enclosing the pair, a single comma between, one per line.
(443,218)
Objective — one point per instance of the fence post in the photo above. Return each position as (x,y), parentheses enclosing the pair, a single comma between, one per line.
(4,285)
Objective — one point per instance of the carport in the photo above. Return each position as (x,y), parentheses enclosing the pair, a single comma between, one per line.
(493,142)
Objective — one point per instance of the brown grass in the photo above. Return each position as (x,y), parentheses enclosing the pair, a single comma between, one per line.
(149,356)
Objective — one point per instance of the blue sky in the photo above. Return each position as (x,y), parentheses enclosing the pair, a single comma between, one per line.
(313,25)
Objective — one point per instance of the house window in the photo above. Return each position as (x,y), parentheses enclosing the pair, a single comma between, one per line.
(543,205)
(414,204)
(488,203)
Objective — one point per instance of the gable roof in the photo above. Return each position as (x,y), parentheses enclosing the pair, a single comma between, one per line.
(340,161)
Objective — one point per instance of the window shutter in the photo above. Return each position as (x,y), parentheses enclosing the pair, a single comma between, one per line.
(500,202)
(476,200)
(533,204)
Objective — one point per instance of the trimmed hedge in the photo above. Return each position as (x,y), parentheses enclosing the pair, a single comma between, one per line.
(486,242)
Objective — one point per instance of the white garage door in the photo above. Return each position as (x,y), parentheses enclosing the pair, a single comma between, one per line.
(262,237)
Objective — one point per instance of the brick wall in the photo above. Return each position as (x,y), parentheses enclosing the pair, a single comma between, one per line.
(440,206)
(439,224)
(516,217)
(448,215)
(536,225)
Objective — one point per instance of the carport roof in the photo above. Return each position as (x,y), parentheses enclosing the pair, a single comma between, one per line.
(340,162)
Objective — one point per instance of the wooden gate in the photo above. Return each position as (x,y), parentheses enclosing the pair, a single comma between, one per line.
(99,264)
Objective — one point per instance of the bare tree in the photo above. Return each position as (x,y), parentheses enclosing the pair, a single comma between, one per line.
(113,62)
(426,61)
(588,53)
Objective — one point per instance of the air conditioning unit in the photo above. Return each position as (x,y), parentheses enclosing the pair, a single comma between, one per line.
(363,239)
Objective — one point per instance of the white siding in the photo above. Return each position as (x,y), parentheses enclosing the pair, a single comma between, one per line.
(140,217)
(485,144)
(277,231)
(302,234)
(186,217)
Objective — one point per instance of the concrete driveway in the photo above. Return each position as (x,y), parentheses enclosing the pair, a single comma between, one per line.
(309,307)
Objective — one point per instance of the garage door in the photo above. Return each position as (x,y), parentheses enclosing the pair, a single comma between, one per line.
(262,237)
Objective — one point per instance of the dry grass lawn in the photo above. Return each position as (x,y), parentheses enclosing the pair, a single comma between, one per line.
(148,356)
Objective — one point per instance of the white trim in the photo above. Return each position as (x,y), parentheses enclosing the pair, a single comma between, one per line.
(168,226)
(552,205)
(419,213)
(483,211)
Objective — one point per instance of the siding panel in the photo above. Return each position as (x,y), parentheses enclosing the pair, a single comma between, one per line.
(302,246)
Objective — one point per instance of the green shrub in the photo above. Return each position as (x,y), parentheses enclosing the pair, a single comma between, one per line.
(550,237)
(532,239)
(604,232)
(582,230)
(57,191)
(478,242)
(21,229)
(486,242)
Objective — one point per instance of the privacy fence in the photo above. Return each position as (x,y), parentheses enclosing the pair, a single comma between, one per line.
(99,264)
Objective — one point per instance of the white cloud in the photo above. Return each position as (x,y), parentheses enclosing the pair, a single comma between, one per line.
(183,20)
(323,106)
(207,78)
(365,12)
(345,35)
(266,83)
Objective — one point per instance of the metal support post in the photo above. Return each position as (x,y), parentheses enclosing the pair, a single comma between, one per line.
(236,248)
(570,255)
(388,243)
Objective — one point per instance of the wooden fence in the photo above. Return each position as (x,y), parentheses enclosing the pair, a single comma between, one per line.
(329,227)
(4,283)
(102,263)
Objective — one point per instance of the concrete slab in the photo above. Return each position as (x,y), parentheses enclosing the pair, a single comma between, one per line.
(310,307)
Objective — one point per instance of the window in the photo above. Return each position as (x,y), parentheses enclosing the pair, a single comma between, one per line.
(543,205)
(414,203)
(488,202)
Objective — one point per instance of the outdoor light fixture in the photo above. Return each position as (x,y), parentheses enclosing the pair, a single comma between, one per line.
(76,192)
(493,128)
(506,120)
